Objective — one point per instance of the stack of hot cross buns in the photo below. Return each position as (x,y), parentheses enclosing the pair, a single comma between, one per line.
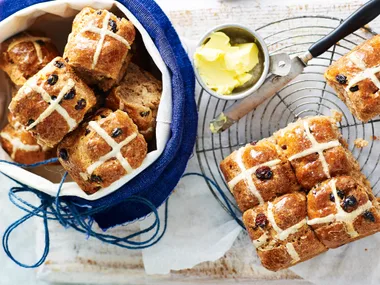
(93,107)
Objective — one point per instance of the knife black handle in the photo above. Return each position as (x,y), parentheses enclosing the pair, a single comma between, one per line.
(358,19)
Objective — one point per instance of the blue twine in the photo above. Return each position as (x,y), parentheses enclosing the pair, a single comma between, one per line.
(70,215)
(13,226)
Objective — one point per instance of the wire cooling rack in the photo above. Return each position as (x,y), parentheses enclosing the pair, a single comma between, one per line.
(306,95)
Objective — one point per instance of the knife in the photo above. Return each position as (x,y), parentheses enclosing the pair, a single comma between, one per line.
(275,82)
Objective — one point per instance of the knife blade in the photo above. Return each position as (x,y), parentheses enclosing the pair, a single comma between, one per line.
(274,83)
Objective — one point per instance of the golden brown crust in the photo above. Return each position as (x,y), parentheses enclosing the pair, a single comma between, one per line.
(23,55)
(322,203)
(309,169)
(84,147)
(22,147)
(139,95)
(365,102)
(289,240)
(28,105)
(282,180)
(81,48)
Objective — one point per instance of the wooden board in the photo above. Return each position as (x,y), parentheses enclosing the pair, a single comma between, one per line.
(73,258)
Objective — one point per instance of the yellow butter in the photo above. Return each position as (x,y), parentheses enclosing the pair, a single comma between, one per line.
(243,59)
(224,67)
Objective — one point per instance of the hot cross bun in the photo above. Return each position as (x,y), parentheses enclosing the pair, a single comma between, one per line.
(280,233)
(341,210)
(52,103)
(102,150)
(257,173)
(22,147)
(98,47)
(23,55)
(355,79)
(139,95)
(316,150)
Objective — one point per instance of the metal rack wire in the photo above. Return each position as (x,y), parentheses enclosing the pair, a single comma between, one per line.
(307,95)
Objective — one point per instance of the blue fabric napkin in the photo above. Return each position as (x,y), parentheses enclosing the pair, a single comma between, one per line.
(158,180)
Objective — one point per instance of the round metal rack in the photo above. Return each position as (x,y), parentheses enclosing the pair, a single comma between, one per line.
(306,95)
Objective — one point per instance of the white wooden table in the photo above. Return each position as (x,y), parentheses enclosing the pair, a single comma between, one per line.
(191,19)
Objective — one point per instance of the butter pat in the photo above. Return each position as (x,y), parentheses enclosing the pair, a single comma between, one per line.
(224,67)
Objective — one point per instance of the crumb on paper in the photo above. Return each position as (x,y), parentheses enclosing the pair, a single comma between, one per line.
(375,138)
(366,249)
(337,115)
(360,143)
